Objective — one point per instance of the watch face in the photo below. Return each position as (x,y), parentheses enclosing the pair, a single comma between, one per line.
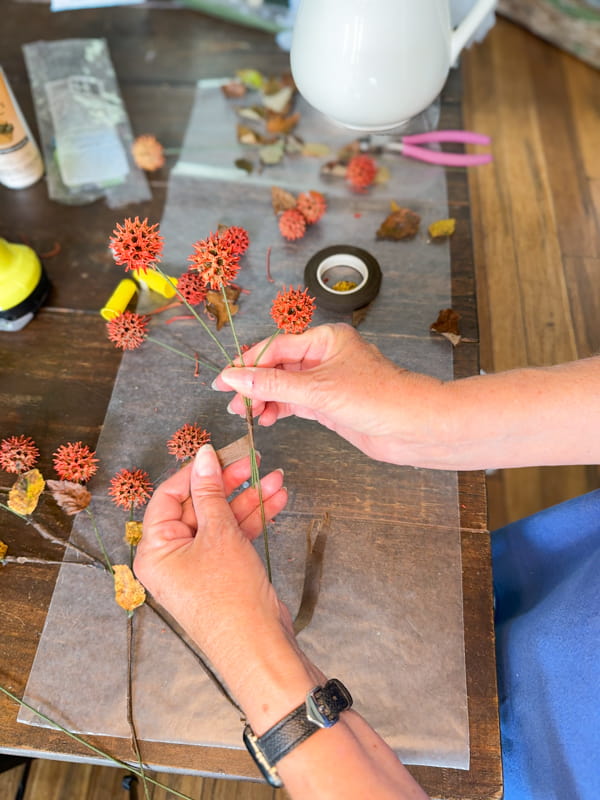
(324,704)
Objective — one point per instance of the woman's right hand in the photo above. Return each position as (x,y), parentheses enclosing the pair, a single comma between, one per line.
(331,375)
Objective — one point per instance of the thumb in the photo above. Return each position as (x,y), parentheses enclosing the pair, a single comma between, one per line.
(266,384)
(208,493)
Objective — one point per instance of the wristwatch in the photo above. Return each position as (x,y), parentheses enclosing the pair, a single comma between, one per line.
(321,709)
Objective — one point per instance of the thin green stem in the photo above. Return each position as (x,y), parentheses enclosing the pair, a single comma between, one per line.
(193,311)
(267,345)
(134,737)
(181,353)
(90,746)
(90,514)
(254,471)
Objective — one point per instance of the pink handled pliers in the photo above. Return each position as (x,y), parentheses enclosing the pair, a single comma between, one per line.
(408,146)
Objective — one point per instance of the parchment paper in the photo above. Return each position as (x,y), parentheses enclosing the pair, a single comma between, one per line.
(389,616)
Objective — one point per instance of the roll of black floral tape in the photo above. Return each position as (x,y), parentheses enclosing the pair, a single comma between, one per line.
(342,277)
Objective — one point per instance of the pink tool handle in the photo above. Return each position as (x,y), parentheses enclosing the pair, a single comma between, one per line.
(445,159)
(464,137)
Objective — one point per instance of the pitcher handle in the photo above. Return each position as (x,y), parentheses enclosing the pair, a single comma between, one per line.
(468,26)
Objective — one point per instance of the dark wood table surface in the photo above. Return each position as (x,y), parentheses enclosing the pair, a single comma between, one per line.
(55,393)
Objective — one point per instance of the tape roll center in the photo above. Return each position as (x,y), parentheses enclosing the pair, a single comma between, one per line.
(342,268)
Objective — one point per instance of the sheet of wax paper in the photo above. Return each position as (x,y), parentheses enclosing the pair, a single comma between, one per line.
(388,621)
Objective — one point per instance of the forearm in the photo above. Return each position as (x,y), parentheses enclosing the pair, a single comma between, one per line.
(348,760)
(525,417)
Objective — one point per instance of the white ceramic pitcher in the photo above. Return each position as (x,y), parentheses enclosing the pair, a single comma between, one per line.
(371,65)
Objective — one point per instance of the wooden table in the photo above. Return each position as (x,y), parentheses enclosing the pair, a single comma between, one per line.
(158,55)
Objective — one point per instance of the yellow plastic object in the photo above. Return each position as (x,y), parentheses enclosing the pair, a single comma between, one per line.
(20,273)
(119,299)
(158,283)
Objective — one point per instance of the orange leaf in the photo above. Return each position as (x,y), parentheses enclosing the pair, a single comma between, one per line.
(400,224)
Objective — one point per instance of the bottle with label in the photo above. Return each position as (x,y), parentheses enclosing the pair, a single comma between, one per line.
(21,163)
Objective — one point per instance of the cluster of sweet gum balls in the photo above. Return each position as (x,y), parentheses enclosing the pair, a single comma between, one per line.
(310,207)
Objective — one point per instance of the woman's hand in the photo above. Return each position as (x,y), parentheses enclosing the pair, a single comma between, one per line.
(197,560)
(331,375)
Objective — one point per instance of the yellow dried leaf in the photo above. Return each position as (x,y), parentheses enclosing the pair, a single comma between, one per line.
(3,549)
(215,305)
(316,150)
(279,101)
(25,492)
(251,78)
(129,592)
(442,229)
(133,533)
(382,175)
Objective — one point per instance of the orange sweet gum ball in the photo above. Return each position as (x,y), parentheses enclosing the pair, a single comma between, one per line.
(311,205)
(361,171)
(292,224)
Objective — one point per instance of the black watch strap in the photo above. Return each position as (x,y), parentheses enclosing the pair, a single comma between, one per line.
(321,710)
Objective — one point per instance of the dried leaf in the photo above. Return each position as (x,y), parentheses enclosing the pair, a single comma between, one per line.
(251,78)
(133,532)
(254,113)
(316,150)
(278,123)
(245,164)
(400,224)
(129,592)
(382,175)
(248,135)
(272,153)
(215,305)
(348,151)
(3,549)
(293,144)
(334,169)
(279,101)
(70,496)
(446,325)
(234,89)
(281,199)
(442,229)
(25,492)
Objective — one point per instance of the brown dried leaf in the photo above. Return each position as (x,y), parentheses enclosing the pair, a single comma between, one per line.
(282,200)
(446,325)
(248,135)
(70,496)
(215,305)
(245,164)
(333,169)
(348,151)
(442,229)
(233,89)
(278,123)
(25,492)
(133,532)
(129,592)
(400,224)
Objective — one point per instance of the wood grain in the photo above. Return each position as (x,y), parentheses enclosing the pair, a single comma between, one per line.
(536,228)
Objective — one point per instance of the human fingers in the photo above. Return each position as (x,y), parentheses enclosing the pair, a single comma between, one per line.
(246,506)
(209,497)
(166,506)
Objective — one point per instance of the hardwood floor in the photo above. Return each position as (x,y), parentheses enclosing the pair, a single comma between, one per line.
(536,229)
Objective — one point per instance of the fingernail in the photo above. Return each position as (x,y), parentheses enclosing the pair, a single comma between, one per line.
(214,386)
(280,470)
(206,462)
(239,379)
(229,408)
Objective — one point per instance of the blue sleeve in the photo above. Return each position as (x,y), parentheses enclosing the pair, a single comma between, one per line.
(547,588)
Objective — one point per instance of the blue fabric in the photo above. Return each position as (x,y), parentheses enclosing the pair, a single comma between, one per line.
(547,587)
